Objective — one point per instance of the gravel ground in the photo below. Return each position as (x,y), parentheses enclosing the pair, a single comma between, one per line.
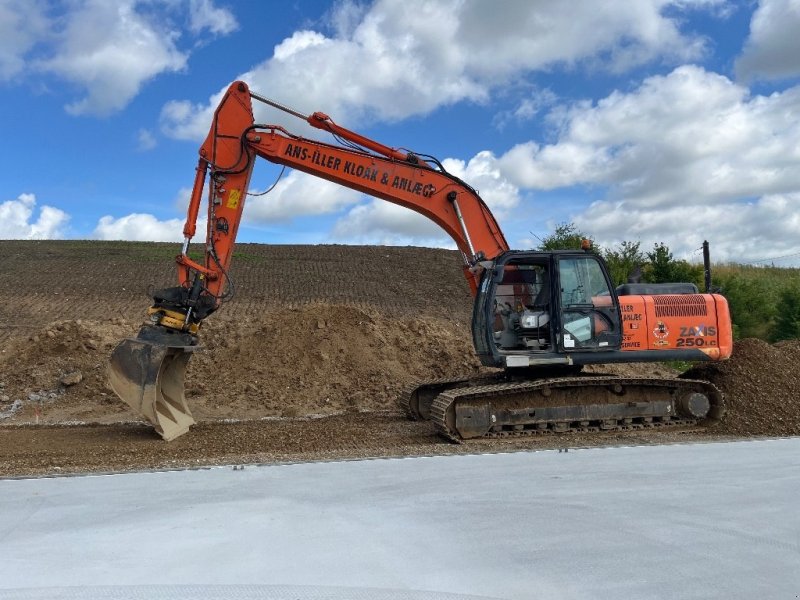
(30,450)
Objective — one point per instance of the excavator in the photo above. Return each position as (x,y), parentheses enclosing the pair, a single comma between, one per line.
(538,317)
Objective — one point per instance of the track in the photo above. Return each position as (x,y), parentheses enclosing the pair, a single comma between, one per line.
(584,404)
(416,399)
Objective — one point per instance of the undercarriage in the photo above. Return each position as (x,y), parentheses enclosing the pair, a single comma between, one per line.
(491,407)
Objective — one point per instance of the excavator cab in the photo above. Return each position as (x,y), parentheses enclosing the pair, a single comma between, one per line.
(544,309)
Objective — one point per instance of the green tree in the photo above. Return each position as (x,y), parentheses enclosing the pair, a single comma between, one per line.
(567,236)
(623,260)
(663,268)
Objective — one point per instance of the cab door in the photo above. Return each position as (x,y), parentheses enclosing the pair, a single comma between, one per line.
(589,318)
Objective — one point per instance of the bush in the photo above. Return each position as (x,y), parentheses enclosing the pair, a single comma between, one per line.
(663,268)
(567,236)
(787,320)
(623,261)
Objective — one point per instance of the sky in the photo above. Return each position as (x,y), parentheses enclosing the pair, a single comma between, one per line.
(659,121)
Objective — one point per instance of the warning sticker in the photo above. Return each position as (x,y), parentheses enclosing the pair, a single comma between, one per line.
(233,199)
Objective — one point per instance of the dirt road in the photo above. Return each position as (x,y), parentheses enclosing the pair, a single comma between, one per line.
(48,450)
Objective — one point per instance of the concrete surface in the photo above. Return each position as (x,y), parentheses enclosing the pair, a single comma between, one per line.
(682,521)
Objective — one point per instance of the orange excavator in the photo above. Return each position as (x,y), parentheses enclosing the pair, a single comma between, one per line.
(538,317)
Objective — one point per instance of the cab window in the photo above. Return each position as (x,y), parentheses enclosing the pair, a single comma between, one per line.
(588,316)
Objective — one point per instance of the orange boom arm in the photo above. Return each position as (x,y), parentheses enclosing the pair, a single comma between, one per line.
(403,178)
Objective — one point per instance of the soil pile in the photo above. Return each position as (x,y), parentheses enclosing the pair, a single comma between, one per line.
(59,374)
(318,359)
(761,383)
(321,359)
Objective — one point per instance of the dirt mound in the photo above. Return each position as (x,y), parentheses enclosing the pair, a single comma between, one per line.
(324,359)
(318,359)
(761,383)
(59,373)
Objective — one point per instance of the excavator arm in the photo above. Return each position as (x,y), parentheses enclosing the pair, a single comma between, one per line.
(404,178)
(147,372)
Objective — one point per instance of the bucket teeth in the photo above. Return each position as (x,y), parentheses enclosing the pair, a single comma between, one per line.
(149,377)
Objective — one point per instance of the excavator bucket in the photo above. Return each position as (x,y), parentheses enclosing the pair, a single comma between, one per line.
(148,376)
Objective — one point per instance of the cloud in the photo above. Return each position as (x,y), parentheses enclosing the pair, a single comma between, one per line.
(692,136)
(298,194)
(739,231)
(295,195)
(203,15)
(108,50)
(527,108)
(145,140)
(432,54)
(184,120)
(773,49)
(140,227)
(484,174)
(111,50)
(22,25)
(686,156)
(16,220)
(381,222)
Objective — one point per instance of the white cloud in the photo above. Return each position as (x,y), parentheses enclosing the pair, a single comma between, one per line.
(111,50)
(396,59)
(203,15)
(145,140)
(22,24)
(184,120)
(738,231)
(483,173)
(687,156)
(691,136)
(139,227)
(298,194)
(182,199)
(108,50)
(527,108)
(295,195)
(773,49)
(381,222)
(538,34)
(16,220)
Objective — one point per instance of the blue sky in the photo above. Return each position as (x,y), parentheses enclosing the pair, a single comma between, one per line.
(660,121)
